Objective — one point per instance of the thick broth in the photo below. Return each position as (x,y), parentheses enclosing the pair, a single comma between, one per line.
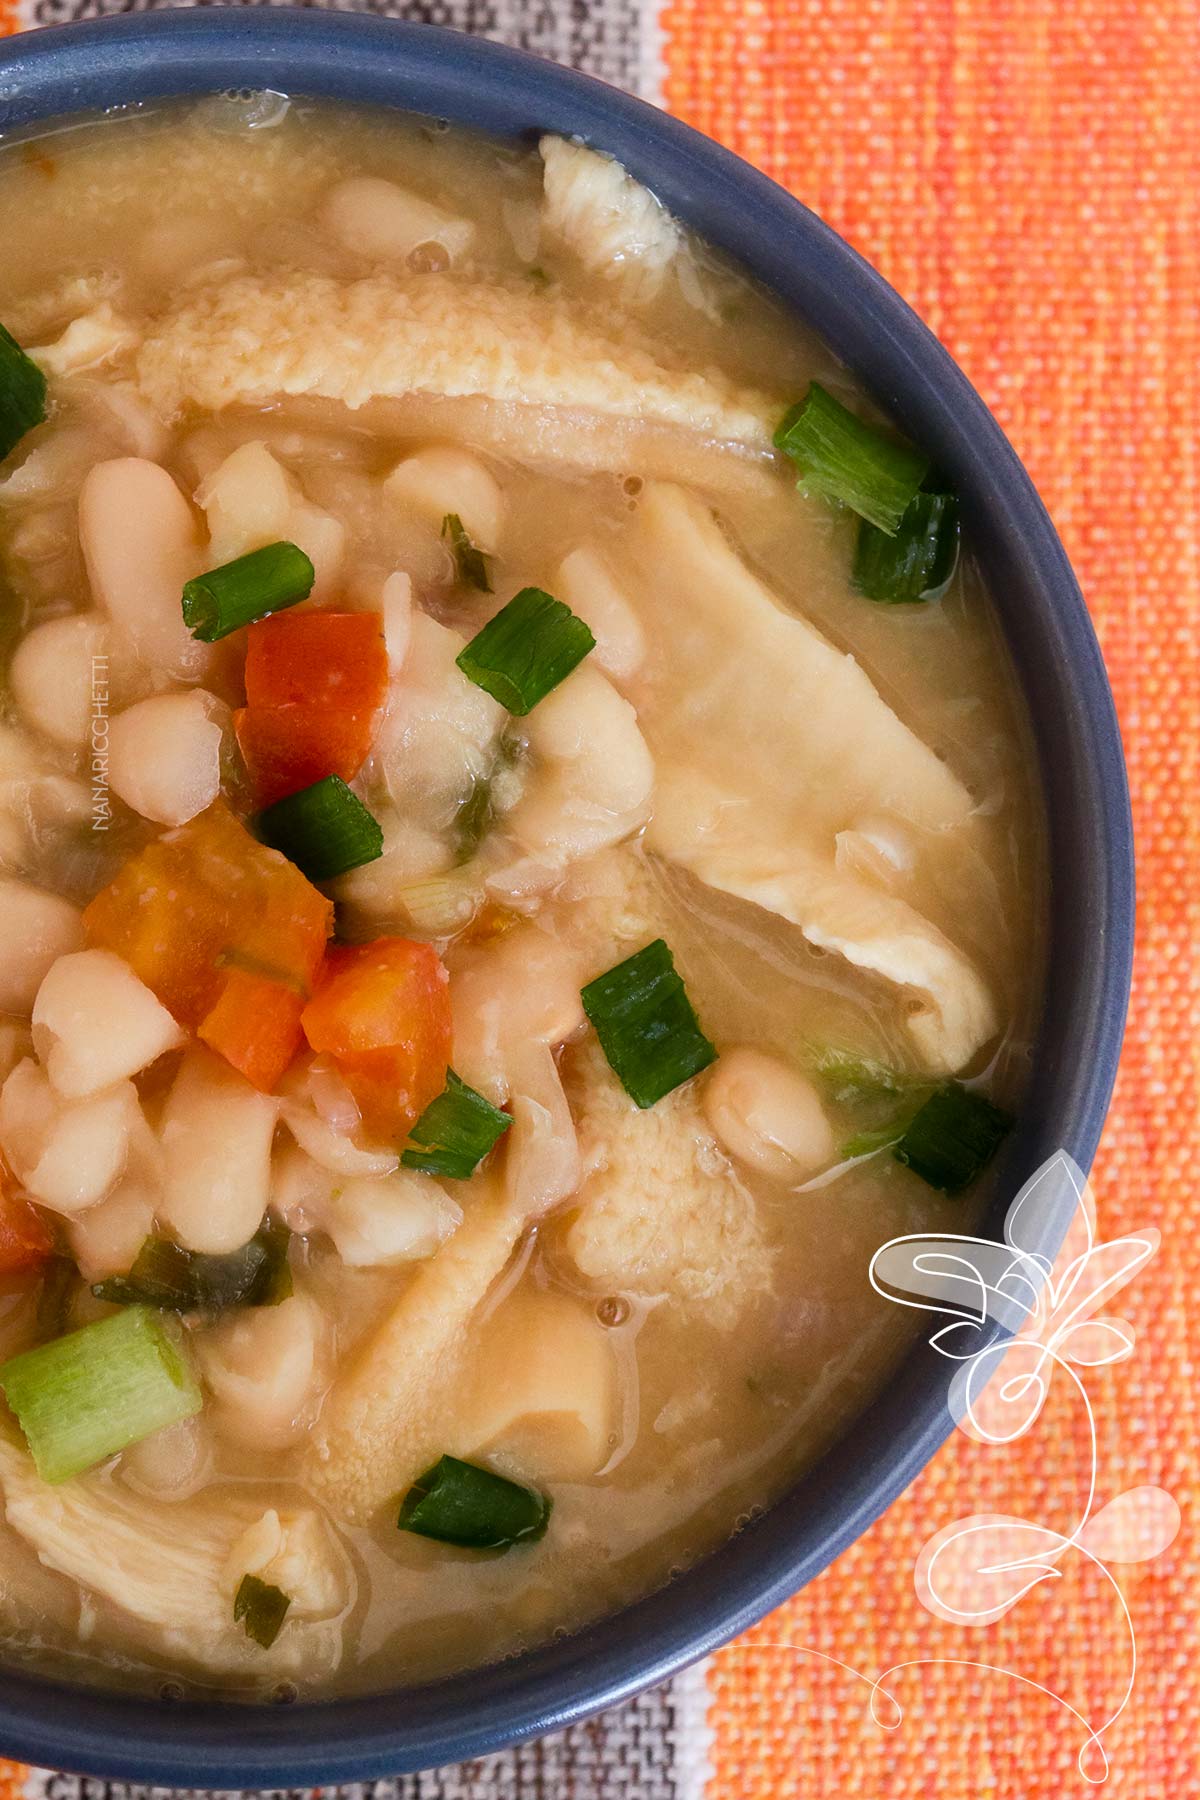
(715,1414)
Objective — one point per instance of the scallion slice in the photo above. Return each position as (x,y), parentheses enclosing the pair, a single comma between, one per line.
(324,829)
(472,564)
(460,1503)
(646,1025)
(261,1608)
(531,645)
(265,581)
(166,1275)
(22,393)
(455,1132)
(85,1396)
(915,564)
(953,1136)
(841,456)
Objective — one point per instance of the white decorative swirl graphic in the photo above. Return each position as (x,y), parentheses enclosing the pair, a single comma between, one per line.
(974,1571)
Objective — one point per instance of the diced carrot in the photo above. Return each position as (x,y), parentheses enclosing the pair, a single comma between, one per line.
(254,1025)
(25,1239)
(382,1012)
(315,685)
(286,748)
(204,903)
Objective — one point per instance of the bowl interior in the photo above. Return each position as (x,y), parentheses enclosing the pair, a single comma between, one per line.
(85,68)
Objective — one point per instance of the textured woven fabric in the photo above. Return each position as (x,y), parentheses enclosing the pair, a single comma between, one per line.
(1026,173)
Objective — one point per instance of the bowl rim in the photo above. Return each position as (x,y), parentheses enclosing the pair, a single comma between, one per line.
(59,72)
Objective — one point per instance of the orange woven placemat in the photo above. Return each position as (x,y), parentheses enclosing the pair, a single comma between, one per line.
(1026,173)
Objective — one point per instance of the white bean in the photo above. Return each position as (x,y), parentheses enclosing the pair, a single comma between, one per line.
(246,501)
(260,1365)
(164,755)
(35,929)
(394,1219)
(172,1462)
(95,1023)
(216,1137)
(443,480)
(545,1387)
(767,1115)
(584,583)
(53,672)
(521,987)
(376,218)
(341,1153)
(592,782)
(141,544)
(67,1154)
(105,1239)
(542,1162)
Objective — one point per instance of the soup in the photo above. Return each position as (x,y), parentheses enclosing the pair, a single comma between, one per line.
(520,871)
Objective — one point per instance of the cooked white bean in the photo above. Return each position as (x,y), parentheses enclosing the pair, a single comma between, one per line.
(95,1023)
(246,501)
(164,755)
(443,480)
(105,1239)
(172,1462)
(376,218)
(53,672)
(393,1219)
(545,1387)
(216,1137)
(585,584)
(260,1365)
(35,929)
(66,1153)
(767,1115)
(591,783)
(522,987)
(140,543)
(340,1152)
(250,500)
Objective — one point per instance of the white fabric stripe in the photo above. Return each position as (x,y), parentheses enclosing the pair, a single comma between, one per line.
(692,1732)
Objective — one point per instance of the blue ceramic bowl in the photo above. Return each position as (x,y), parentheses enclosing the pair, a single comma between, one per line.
(85,68)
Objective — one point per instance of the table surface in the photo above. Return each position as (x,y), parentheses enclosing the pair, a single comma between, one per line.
(1026,173)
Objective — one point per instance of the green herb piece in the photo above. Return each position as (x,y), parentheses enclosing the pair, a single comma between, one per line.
(261,1608)
(841,456)
(460,1503)
(166,1275)
(85,1396)
(324,829)
(473,821)
(953,1136)
(851,1077)
(918,562)
(265,581)
(472,564)
(22,393)
(531,645)
(646,1025)
(455,1132)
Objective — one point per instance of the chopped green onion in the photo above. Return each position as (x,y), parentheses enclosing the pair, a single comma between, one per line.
(531,645)
(460,1503)
(646,1025)
(260,1608)
(98,1390)
(22,393)
(953,1136)
(472,564)
(455,1132)
(841,456)
(473,821)
(851,1077)
(441,906)
(324,829)
(250,587)
(915,564)
(166,1275)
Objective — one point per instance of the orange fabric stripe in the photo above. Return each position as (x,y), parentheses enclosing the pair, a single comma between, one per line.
(1026,174)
